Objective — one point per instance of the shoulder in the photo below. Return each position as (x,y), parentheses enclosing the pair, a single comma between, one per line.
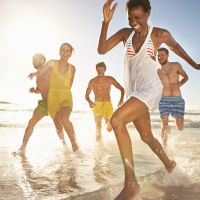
(160,32)
(110,78)
(124,33)
(92,81)
(176,64)
(127,32)
(51,63)
(73,68)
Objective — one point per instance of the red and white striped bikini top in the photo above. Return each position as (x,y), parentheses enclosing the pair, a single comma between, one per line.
(130,52)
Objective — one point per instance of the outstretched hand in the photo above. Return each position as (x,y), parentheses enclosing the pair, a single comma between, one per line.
(32,90)
(108,11)
(31,75)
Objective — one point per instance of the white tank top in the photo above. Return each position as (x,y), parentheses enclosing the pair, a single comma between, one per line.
(140,71)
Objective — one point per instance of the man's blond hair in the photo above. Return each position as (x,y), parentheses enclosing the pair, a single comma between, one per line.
(39,56)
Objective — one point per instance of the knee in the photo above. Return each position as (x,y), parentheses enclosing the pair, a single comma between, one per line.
(148,139)
(59,130)
(65,121)
(116,122)
(31,123)
(165,123)
(109,127)
(98,123)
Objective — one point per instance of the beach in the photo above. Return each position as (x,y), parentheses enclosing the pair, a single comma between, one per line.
(51,172)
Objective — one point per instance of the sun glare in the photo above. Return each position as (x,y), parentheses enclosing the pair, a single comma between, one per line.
(32,34)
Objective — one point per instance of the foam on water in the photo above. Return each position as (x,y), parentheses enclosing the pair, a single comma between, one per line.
(49,172)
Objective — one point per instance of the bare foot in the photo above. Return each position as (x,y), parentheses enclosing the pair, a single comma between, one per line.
(129,192)
(19,152)
(171,167)
(74,147)
(79,154)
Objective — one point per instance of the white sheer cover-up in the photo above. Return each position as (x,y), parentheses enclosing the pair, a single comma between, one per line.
(140,73)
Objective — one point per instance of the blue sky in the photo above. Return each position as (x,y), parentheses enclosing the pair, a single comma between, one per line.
(29,26)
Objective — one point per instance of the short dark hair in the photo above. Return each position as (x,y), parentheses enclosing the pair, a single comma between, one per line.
(101,64)
(164,49)
(145,4)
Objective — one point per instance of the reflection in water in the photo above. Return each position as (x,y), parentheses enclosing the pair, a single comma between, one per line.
(59,179)
(66,175)
(31,181)
(102,170)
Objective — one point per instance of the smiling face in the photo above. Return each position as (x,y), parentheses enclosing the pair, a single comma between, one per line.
(65,51)
(138,18)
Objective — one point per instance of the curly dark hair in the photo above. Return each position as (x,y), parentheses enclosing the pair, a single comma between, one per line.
(145,4)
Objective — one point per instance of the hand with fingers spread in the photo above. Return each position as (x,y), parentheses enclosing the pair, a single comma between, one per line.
(108,11)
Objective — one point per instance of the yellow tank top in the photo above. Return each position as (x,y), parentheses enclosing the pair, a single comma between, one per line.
(59,94)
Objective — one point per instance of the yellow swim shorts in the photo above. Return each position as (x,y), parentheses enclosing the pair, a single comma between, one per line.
(104,109)
(41,108)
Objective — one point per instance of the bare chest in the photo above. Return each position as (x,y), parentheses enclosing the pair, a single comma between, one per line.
(101,85)
(43,80)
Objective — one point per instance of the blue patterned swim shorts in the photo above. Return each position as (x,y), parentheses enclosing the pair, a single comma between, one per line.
(174,105)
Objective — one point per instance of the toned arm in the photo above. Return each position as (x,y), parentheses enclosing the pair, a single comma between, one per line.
(73,71)
(87,94)
(118,86)
(167,38)
(48,66)
(183,74)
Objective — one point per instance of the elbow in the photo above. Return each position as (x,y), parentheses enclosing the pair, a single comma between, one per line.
(86,97)
(101,50)
(186,78)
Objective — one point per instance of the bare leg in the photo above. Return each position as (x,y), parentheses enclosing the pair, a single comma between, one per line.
(98,122)
(179,123)
(143,126)
(165,129)
(109,127)
(128,112)
(68,126)
(28,132)
(131,111)
(59,128)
